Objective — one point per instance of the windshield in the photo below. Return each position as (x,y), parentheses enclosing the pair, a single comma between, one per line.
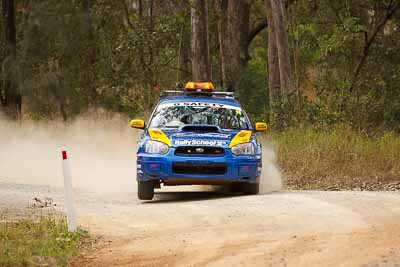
(176,115)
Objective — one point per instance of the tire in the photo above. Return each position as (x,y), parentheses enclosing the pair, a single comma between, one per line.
(145,190)
(251,189)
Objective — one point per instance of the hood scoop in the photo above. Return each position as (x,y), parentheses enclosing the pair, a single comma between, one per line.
(200,128)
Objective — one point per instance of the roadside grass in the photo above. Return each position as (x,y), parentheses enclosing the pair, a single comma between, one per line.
(42,242)
(340,157)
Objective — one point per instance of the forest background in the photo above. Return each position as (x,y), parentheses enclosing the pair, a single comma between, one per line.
(324,74)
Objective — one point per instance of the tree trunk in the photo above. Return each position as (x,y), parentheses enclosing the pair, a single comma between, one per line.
(235,37)
(90,72)
(184,64)
(222,9)
(238,32)
(282,45)
(201,67)
(11,98)
(184,72)
(274,79)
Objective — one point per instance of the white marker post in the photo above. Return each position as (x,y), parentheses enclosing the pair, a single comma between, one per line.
(68,194)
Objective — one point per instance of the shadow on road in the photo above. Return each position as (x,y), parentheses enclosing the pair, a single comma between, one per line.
(168,197)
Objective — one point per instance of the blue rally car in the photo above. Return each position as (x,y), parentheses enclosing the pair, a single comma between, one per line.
(198,137)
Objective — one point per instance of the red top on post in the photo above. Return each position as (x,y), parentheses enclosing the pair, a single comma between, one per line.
(64,155)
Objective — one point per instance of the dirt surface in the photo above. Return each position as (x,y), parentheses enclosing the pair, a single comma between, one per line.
(289,228)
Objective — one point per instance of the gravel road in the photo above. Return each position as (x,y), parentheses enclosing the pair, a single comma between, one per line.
(288,228)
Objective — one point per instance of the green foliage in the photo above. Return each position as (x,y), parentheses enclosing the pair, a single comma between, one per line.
(33,243)
(70,60)
(328,40)
(251,92)
(117,57)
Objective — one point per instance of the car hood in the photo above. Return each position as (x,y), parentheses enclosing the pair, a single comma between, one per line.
(195,138)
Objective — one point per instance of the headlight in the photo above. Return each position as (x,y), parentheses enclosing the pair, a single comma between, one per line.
(155,147)
(243,149)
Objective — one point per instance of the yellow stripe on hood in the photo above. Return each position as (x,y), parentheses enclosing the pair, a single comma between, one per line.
(241,137)
(158,135)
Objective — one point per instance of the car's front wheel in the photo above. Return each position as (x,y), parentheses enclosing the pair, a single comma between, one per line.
(145,190)
(251,189)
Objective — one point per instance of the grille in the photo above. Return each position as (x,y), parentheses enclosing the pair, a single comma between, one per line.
(191,168)
(199,151)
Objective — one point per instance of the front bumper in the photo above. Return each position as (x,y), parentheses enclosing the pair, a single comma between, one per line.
(199,169)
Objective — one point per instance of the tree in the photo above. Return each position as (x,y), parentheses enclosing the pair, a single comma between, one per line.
(369,38)
(11,98)
(221,7)
(273,72)
(182,10)
(201,67)
(238,31)
(281,39)
(278,67)
(90,64)
(235,36)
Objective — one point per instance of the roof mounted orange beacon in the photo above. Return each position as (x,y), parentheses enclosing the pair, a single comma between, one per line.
(199,87)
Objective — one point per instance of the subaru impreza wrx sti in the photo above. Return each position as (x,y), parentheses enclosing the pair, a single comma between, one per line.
(198,137)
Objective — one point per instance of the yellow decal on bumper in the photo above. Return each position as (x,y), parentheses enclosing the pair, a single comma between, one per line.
(158,135)
(241,137)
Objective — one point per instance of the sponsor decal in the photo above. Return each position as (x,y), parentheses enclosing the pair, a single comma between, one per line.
(209,135)
(199,150)
(200,104)
(200,143)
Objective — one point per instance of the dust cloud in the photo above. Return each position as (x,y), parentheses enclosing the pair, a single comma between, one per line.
(101,149)
(271,177)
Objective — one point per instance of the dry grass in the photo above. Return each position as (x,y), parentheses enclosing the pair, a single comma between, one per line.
(341,157)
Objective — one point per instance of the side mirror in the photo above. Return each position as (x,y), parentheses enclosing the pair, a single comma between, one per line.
(137,123)
(261,126)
